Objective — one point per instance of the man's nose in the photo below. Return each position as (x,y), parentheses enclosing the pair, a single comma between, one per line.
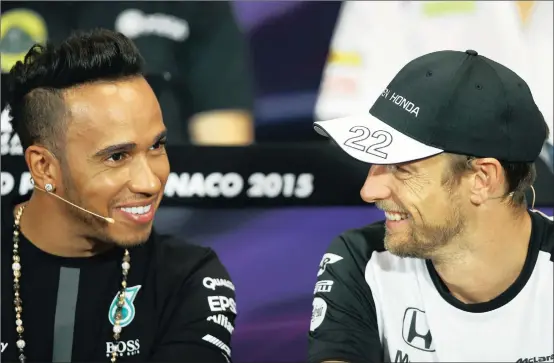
(143,179)
(375,185)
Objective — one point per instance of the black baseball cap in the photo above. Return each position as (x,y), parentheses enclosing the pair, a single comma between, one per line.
(446,101)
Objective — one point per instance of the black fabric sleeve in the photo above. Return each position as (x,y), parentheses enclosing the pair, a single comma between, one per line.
(218,72)
(344,324)
(203,318)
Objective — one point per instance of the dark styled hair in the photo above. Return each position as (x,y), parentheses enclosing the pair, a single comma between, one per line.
(36,84)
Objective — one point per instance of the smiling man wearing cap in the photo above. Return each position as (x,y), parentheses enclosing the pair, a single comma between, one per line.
(461,270)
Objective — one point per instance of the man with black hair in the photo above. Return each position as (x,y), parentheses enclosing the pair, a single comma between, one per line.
(84,275)
(461,270)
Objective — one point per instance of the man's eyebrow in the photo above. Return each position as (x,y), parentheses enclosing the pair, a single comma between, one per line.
(118,148)
(162,135)
(407,165)
(126,146)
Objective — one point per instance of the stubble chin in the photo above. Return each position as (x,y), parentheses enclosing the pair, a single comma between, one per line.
(409,245)
(398,246)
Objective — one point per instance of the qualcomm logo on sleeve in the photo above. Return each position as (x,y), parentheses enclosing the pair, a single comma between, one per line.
(328,258)
(211,283)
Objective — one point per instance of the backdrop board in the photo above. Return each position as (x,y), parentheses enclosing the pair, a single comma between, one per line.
(263,175)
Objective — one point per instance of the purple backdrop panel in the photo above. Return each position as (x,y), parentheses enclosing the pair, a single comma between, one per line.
(274,262)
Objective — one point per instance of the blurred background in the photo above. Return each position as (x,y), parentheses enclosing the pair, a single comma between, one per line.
(240,84)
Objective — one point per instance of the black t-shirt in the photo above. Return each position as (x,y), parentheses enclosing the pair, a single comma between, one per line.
(180,304)
(196,56)
(372,306)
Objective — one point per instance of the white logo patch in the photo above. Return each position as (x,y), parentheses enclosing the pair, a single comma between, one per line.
(318,313)
(416,331)
(10,142)
(211,283)
(401,102)
(323,286)
(128,348)
(222,303)
(4,346)
(128,309)
(328,258)
(218,343)
(222,320)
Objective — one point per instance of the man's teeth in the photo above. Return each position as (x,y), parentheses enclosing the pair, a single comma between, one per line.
(396,216)
(138,210)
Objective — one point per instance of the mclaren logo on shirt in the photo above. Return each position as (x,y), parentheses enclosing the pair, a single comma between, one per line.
(546,358)
(415,331)
(21,28)
(128,310)
(328,258)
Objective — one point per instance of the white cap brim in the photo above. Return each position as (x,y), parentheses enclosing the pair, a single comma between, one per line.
(370,140)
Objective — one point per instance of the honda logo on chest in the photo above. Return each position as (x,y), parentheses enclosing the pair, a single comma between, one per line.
(416,331)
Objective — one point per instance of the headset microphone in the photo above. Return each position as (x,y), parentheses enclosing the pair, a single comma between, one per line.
(107,219)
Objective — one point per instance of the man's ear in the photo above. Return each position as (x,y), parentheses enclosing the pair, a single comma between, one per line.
(43,165)
(487,180)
